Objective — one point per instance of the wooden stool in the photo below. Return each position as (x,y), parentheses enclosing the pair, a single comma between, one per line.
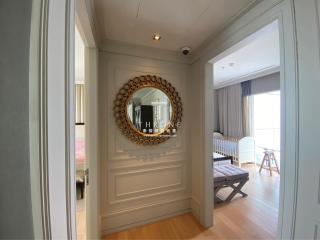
(268,158)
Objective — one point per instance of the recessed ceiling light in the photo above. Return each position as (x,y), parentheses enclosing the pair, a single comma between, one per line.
(156,37)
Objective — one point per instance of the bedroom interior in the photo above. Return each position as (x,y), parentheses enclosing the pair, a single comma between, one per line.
(246,138)
(80,139)
(171,119)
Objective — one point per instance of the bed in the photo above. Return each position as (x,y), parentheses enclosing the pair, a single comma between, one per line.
(241,150)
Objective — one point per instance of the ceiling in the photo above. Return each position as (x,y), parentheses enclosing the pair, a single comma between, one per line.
(180,22)
(255,56)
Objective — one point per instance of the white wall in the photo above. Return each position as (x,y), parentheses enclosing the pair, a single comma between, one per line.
(308,47)
(197,142)
(140,183)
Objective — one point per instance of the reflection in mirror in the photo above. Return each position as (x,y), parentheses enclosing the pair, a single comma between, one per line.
(149,110)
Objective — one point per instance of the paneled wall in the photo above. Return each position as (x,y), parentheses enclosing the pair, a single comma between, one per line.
(140,184)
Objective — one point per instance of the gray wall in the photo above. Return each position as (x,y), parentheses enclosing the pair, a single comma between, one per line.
(15,198)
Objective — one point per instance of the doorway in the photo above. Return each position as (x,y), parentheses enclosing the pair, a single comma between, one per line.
(280,11)
(246,139)
(80,138)
(87,121)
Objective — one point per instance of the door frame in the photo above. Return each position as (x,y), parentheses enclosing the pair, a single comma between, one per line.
(260,15)
(83,21)
(58,174)
(52,88)
(52,49)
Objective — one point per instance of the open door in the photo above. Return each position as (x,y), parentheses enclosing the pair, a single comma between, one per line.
(90,101)
(91,132)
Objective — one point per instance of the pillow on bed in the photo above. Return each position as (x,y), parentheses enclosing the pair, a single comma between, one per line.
(217,135)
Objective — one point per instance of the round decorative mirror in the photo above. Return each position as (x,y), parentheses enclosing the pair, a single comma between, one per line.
(148,110)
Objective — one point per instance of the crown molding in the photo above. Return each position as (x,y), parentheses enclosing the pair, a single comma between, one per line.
(128,49)
(251,76)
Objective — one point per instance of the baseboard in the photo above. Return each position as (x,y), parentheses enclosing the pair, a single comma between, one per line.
(144,216)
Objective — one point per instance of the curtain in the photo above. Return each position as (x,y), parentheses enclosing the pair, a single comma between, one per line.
(230,111)
(247,116)
(247,108)
(223,110)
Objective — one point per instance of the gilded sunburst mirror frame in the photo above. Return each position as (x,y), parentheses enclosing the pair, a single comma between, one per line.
(124,123)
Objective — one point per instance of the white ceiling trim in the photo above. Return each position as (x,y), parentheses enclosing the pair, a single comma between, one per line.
(115,47)
(247,77)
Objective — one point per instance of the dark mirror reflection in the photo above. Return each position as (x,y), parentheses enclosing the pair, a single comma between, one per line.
(149,110)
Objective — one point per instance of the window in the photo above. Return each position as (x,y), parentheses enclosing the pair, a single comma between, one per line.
(266,122)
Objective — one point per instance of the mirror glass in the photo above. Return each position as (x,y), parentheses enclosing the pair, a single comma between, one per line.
(149,110)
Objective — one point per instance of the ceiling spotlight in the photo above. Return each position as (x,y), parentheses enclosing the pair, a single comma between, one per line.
(156,37)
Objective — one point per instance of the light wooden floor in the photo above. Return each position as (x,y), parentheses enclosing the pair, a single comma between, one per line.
(81,219)
(254,217)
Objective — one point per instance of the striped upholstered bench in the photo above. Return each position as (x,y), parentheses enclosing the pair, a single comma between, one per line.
(228,175)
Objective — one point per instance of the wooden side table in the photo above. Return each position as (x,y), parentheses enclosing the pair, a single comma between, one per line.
(267,161)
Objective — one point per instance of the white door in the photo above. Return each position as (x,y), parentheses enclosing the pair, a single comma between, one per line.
(91,121)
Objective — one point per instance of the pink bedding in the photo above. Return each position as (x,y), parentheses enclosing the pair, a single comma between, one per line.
(80,151)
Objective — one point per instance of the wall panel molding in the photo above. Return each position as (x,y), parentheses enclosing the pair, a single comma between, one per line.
(141,183)
(160,176)
(143,214)
(167,160)
(122,212)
